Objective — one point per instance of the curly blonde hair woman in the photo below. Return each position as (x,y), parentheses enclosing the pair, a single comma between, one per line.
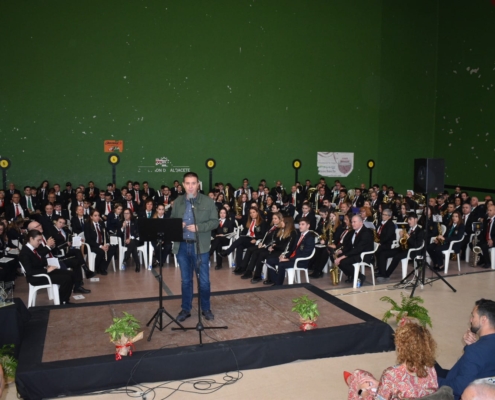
(414,375)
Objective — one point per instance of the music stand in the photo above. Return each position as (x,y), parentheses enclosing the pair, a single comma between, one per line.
(420,270)
(161,230)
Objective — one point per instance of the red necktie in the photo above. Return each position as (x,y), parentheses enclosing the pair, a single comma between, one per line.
(221,224)
(109,209)
(166,200)
(251,229)
(98,234)
(129,203)
(293,254)
(488,229)
(380,229)
(17,212)
(137,196)
(37,255)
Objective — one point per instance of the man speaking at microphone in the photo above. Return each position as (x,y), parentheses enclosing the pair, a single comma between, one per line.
(206,220)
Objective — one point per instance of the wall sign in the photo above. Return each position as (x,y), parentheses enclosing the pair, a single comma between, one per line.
(111,146)
(335,164)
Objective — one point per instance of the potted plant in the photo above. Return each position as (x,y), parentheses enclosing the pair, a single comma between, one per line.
(307,310)
(8,362)
(410,307)
(124,333)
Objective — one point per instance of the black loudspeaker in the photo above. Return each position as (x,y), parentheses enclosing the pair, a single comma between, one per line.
(429,175)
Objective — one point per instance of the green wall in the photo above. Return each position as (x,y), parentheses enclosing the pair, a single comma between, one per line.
(465,117)
(252,84)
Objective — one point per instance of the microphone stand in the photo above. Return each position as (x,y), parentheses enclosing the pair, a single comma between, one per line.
(199,326)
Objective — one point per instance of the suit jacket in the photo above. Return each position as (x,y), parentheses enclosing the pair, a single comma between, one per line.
(8,194)
(151,192)
(114,223)
(60,240)
(64,214)
(312,220)
(387,235)
(134,205)
(416,238)
(362,242)
(95,196)
(358,201)
(75,224)
(68,197)
(31,263)
(288,211)
(482,236)
(453,234)
(259,230)
(90,235)
(101,207)
(468,224)
(10,211)
(478,212)
(47,222)
(133,231)
(477,361)
(297,203)
(228,227)
(304,249)
(34,201)
(74,206)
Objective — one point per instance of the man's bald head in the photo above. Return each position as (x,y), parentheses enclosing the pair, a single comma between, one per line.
(35,225)
(480,389)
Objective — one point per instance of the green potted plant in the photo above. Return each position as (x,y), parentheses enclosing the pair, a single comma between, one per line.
(410,307)
(8,362)
(124,333)
(307,310)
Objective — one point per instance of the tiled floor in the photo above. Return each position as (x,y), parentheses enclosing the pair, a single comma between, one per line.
(316,379)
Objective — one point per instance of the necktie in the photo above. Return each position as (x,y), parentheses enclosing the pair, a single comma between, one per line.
(29,204)
(166,200)
(37,255)
(98,234)
(451,230)
(251,229)
(17,212)
(380,229)
(136,195)
(82,223)
(221,223)
(149,214)
(297,246)
(109,209)
(129,204)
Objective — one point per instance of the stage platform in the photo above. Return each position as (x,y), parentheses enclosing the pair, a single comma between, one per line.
(66,352)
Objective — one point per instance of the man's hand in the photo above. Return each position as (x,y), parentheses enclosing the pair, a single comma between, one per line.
(105,248)
(338,260)
(50,242)
(50,268)
(127,241)
(490,243)
(469,337)
(192,228)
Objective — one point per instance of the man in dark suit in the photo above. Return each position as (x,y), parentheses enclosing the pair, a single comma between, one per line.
(308,213)
(386,234)
(305,189)
(72,258)
(358,200)
(58,211)
(362,240)
(129,236)
(467,218)
(78,221)
(97,237)
(15,209)
(136,193)
(10,193)
(105,207)
(29,202)
(47,218)
(130,203)
(78,201)
(68,195)
(304,247)
(288,209)
(317,198)
(147,190)
(91,192)
(487,237)
(165,198)
(415,238)
(34,264)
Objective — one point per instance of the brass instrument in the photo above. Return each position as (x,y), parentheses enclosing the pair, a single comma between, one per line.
(376,238)
(227,194)
(439,241)
(385,199)
(237,207)
(334,271)
(474,256)
(310,193)
(403,239)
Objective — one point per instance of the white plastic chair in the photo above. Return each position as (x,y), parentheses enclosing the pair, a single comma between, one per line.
(468,249)
(362,265)
(123,249)
(91,257)
(51,288)
(450,251)
(404,261)
(295,272)
(492,256)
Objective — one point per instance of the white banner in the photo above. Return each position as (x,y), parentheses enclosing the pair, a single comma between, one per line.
(335,164)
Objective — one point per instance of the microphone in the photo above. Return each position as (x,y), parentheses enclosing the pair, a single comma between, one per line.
(190,197)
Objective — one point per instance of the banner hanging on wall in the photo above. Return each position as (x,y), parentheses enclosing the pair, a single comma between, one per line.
(112,146)
(335,164)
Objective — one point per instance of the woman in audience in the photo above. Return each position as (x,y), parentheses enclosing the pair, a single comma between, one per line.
(219,201)
(454,232)
(414,375)
(114,219)
(428,212)
(255,230)
(166,248)
(225,226)
(43,191)
(246,267)
(15,231)
(129,235)
(404,212)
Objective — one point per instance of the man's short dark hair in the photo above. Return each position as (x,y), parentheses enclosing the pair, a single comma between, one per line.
(305,219)
(487,308)
(323,209)
(57,217)
(190,175)
(27,187)
(135,183)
